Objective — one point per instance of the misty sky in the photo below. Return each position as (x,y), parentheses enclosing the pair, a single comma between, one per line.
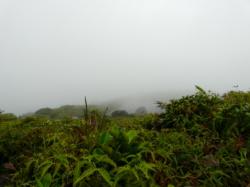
(54,52)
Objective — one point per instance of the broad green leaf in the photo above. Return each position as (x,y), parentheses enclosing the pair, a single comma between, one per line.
(132,134)
(115,131)
(106,159)
(63,159)
(120,172)
(85,174)
(57,168)
(144,167)
(71,156)
(29,164)
(220,173)
(39,183)
(98,151)
(135,174)
(45,169)
(105,138)
(77,170)
(105,176)
(46,180)
(123,171)
(47,162)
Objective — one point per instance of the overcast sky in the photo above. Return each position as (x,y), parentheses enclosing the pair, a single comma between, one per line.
(55,52)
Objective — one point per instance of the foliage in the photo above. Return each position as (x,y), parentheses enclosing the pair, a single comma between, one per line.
(239,97)
(66,111)
(198,140)
(119,113)
(7,117)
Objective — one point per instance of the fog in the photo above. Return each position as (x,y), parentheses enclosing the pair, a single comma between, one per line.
(55,52)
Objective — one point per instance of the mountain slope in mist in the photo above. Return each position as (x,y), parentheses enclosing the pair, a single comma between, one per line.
(149,101)
(129,103)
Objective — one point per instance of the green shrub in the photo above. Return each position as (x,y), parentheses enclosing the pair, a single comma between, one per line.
(198,140)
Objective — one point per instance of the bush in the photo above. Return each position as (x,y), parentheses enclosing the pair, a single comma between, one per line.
(120,113)
(228,115)
(199,108)
(7,117)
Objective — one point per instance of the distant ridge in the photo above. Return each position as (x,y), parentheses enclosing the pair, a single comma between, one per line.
(129,103)
(132,102)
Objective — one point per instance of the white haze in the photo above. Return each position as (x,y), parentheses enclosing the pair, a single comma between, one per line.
(55,52)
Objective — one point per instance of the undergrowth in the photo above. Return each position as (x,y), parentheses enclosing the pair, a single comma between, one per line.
(199,140)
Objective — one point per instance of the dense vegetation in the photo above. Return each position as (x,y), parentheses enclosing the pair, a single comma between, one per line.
(198,140)
(65,111)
